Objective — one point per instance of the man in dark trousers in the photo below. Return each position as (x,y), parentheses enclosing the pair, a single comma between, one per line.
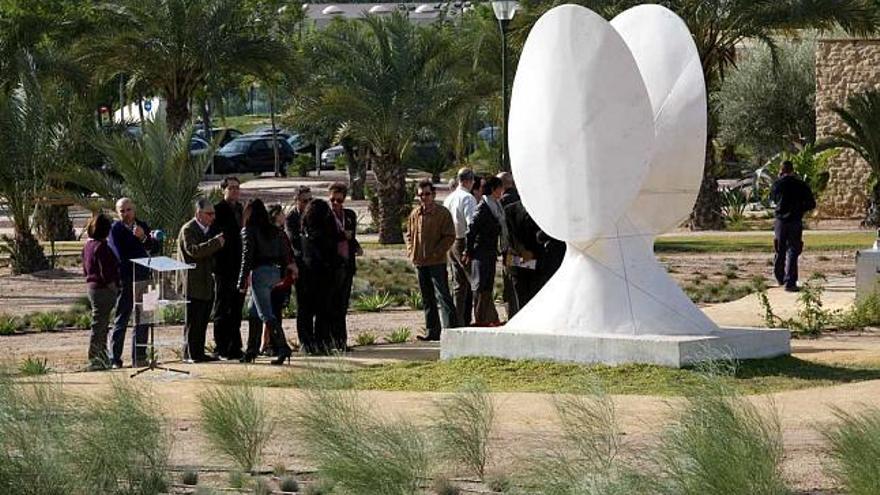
(793,198)
(429,237)
(523,253)
(129,239)
(228,299)
(305,305)
(196,245)
(348,249)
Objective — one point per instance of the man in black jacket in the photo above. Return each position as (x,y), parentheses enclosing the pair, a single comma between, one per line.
(481,251)
(523,253)
(305,304)
(228,301)
(793,198)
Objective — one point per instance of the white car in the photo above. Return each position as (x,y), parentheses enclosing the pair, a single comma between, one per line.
(329,156)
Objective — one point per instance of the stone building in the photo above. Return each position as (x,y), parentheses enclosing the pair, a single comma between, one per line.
(844,67)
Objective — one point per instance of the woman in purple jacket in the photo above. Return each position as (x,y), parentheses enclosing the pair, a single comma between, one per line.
(101,269)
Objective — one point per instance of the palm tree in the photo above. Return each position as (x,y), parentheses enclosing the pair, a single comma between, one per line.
(176,46)
(718,27)
(156,171)
(862,118)
(29,142)
(384,80)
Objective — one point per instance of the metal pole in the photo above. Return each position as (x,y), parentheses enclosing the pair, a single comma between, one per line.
(505,157)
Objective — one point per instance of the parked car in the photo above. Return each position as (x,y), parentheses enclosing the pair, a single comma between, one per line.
(329,156)
(267,131)
(490,134)
(224,134)
(298,143)
(252,154)
(198,146)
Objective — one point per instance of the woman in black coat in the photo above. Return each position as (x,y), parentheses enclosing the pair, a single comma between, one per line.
(319,245)
(481,249)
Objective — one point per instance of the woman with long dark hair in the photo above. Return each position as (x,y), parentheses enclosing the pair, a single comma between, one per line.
(263,257)
(321,258)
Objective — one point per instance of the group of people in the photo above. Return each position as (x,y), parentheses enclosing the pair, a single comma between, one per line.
(478,222)
(235,249)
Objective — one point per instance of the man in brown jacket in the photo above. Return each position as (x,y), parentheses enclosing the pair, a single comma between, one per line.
(428,239)
(196,246)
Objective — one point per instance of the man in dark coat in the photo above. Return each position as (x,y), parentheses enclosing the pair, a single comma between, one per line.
(228,301)
(522,258)
(793,198)
(197,246)
(129,239)
(349,249)
(305,303)
(481,250)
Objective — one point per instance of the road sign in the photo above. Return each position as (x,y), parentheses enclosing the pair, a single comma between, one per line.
(148,105)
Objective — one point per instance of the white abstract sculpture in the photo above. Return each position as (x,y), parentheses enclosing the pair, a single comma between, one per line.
(607,136)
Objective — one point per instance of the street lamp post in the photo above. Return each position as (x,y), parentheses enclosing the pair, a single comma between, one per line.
(504,12)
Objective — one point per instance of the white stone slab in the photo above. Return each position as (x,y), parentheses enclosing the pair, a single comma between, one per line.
(614,349)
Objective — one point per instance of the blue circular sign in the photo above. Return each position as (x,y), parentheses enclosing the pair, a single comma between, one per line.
(148,105)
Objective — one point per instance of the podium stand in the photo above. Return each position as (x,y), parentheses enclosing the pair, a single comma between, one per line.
(157,300)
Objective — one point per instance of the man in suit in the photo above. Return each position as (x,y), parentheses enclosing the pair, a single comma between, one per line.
(523,253)
(196,245)
(348,249)
(229,300)
(481,251)
(305,304)
(129,239)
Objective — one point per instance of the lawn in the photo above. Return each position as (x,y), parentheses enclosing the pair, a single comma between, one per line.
(246,123)
(761,242)
(500,375)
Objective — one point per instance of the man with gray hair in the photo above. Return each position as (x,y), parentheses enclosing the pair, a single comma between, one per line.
(462,205)
(196,246)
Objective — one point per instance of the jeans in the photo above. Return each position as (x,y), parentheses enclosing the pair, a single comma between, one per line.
(263,278)
(461,284)
(102,301)
(788,245)
(434,285)
(124,307)
(277,339)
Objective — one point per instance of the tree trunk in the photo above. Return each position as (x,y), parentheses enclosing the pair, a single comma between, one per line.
(391,190)
(52,223)
(176,113)
(357,170)
(706,214)
(872,219)
(274,131)
(26,253)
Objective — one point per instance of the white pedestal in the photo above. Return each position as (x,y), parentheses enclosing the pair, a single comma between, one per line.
(614,349)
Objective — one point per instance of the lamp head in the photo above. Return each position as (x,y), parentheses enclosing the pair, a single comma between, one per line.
(505,9)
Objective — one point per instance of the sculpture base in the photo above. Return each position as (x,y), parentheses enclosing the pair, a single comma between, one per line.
(666,350)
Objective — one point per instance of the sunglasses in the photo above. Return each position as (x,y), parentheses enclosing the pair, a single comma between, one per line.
(336,200)
(425,195)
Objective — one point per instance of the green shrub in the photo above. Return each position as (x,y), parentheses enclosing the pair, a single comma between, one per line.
(301,166)
(288,484)
(289,311)
(854,448)
(591,458)
(365,338)
(463,427)
(9,325)
(373,303)
(414,300)
(864,313)
(124,445)
(722,443)
(499,483)
(261,487)
(83,321)
(237,479)
(443,486)
(190,477)
(46,322)
(237,423)
(399,336)
(33,366)
(355,449)
(173,313)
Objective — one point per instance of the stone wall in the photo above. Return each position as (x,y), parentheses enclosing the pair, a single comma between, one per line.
(844,67)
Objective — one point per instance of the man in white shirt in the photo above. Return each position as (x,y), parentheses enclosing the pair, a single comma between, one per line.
(462,205)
